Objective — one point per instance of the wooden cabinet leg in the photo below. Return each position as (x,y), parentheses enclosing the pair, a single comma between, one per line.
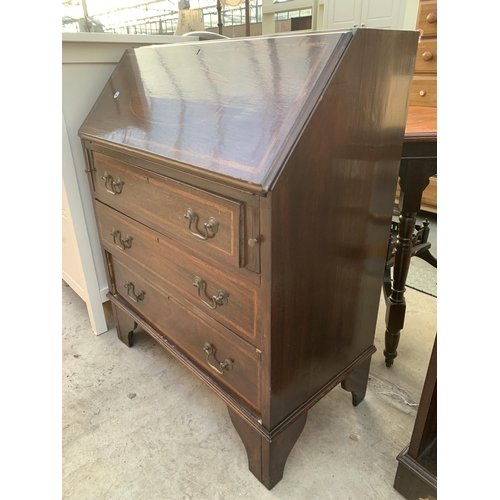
(125,325)
(267,455)
(396,303)
(357,382)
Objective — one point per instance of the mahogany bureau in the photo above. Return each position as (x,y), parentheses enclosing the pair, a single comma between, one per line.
(243,191)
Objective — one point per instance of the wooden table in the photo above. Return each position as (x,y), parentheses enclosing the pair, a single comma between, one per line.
(418,164)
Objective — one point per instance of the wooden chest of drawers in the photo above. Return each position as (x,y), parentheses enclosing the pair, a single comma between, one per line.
(243,191)
(424,86)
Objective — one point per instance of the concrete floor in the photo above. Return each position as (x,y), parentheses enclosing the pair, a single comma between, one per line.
(138,425)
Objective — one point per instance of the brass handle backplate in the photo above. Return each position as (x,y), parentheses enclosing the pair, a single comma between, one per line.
(136,297)
(111,186)
(219,299)
(212,226)
(226,365)
(122,243)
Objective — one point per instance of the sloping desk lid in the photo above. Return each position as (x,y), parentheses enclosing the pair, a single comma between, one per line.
(230,109)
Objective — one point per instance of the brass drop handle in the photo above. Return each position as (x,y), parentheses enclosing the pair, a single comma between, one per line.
(427,56)
(211,226)
(219,299)
(431,18)
(123,243)
(226,365)
(136,297)
(112,187)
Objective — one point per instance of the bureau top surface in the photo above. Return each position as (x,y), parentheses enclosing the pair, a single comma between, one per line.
(228,108)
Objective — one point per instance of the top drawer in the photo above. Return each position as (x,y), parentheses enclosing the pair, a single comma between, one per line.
(427,18)
(206,223)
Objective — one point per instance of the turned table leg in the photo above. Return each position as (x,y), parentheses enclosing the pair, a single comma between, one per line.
(414,175)
(396,304)
(267,455)
(125,325)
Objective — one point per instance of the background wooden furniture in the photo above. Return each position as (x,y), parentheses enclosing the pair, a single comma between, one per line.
(243,194)
(416,476)
(418,165)
(424,85)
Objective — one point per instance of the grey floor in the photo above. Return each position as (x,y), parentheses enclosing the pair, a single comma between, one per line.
(138,425)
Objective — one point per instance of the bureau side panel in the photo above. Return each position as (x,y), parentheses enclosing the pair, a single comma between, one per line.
(331,212)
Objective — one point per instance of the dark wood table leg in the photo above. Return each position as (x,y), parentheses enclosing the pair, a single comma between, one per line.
(414,177)
(396,304)
(267,454)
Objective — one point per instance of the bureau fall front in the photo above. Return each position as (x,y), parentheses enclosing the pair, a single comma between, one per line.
(243,191)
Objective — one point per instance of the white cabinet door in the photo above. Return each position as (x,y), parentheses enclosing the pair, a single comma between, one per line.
(342,14)
(382,13)
(346,14)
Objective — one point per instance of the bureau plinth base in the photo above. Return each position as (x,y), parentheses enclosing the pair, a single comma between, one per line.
(125,325)
(267,454)
(268,451)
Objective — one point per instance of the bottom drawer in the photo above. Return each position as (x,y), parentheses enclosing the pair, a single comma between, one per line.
(424,91)
(229,360)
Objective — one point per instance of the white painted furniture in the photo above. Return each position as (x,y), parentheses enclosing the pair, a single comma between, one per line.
(345,14)
(393,14)
(88,60)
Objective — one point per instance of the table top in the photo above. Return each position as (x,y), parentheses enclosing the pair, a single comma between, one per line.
(421,124)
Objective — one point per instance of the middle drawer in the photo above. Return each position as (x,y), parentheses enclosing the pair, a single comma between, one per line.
(233,302)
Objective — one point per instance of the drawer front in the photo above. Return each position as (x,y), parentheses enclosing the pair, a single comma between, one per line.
(424,91)
(193,333)
(237,301)
(427,18)
(427,56)
(208,224)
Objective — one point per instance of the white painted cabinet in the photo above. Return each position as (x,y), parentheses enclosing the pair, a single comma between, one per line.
(88,60)
(345,14)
